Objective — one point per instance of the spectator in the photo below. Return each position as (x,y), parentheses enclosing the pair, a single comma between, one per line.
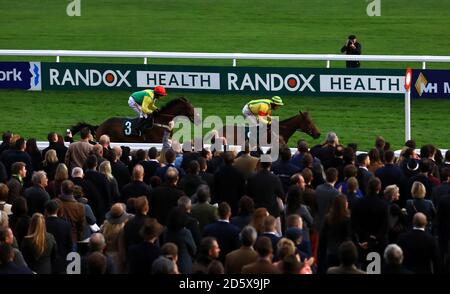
(119,169)
(204,212)
(35,154)
(192,224)
(7,265)
(165,197)
(78,194)
(7,238)
(4,198)
(325,195)
(133,226)
(99,180)
(151,165)
(352,47)
(142,255)
(245,162)
(397,217)
(284,169)
(72,211)
(257,221)
(105,168)
(348,256)
(263,265)
(79,151)
(39,247)
(443,189)
(97,264)
(235,260)
(245,211)
(36,195)
(53,144)
(393,259)
(420,204)
(375,161)
(17,154)
(61,174)
(364,174)
(16,182)
(420,249)
(208,251)
(192,180)
(136,187)
(97,246)
(20,220)
(50,164)
(390,174)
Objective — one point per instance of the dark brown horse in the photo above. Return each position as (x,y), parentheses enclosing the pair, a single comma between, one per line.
(300,122)
(119,128)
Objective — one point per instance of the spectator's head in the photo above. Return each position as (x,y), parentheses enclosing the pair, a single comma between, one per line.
(270,224)
(263,246)
(19,168)
(419,220)
(67,187)
(248,236)
(104,140)
(425,165)
(393,255)
(97,242)
(39,178)
(4,192)
(285,154)
(348,254)
(338,209)
(141,155)
(61,173)
(298,180)
(141,205)
(6,236)
(152,153)
(209,248)
(363,159)
(77,172)
(117,214)
(374,186)
(224,211)
(6,253)
(332,139)
(91,162)
(6,137)
(203,193)
(138,173)
(447,155)
(19,206)
(389,156)
(97,150)
(285,247)
(246,205)
(51,207)
(331,175)
(185,203)
(350,171)
(202,163)
(215,267)
(170,250)
(294,221)
(307,175)
(170,156)
(374,155)
(307,160)
(36,233)
(85,133)
(411,144)
(295,235)
(50,157)
(150,230)
(446,174)
(172,176)
(291,264)
(20,144)
(228,157)
(155,181)
(379,142)
(352,185)
(163,266)
(418,190)
(105,168)
(258,219)
(391,193)
(96,263)
(427,151)
(193,167)
(177,219)
(302,146)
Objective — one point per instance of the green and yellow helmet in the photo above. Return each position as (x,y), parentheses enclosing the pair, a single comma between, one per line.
(277,100)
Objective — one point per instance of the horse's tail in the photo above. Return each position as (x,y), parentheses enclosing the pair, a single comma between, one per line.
(76,128)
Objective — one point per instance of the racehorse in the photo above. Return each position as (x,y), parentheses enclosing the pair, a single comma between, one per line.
(119,129)
(300,122)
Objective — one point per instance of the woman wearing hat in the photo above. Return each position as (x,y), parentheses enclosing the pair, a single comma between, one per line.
(112,229)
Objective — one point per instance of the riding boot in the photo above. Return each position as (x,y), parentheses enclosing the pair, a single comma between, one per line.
(139,125)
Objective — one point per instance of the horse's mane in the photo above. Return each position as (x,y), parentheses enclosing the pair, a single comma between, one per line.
(305,114)
(173,102)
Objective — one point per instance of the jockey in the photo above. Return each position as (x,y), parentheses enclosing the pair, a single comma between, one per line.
(259,110)
(144,103)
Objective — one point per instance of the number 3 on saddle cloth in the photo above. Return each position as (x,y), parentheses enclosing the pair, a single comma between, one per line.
(129,126)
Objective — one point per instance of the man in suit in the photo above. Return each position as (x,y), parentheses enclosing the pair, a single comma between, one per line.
(284,169)
(263,265)
(270,230)
(137,187)
(60,149)
(7,266)
(443,189)
(170,158)
(99,180)
(151,165)
(36,195)
(227,234)
(131,230)
(204,212)
(119,170)
(165,197)
(419,247)
(348,256)
(17,154)
(62,231)
(235,260)
(390,174)
(246,163)
(364,174)
(229,183)
(264,188)
(325,195)
(192,224)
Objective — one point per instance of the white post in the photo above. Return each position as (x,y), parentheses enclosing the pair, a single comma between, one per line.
(145,60)
(408,115)
(328,64)
(57,58)
(424,65)
(234,62)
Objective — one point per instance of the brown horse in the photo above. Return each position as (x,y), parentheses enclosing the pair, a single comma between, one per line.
(119,128)
(300,122)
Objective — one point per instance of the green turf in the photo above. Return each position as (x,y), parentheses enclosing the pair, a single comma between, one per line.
(248,26)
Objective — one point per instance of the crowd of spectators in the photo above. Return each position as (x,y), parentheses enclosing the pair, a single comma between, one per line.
(180,210)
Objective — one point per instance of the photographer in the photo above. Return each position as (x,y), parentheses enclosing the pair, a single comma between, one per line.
(352,47)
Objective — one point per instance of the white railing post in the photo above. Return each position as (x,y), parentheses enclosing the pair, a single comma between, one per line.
(424,65)
(57,58)
(145,60)
(328,63)
(234,62)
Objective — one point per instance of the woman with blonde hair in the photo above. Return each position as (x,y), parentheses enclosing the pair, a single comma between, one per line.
(39,247)
(50,163)
(420,204)
(61,174)
(105,168)
(396,217)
